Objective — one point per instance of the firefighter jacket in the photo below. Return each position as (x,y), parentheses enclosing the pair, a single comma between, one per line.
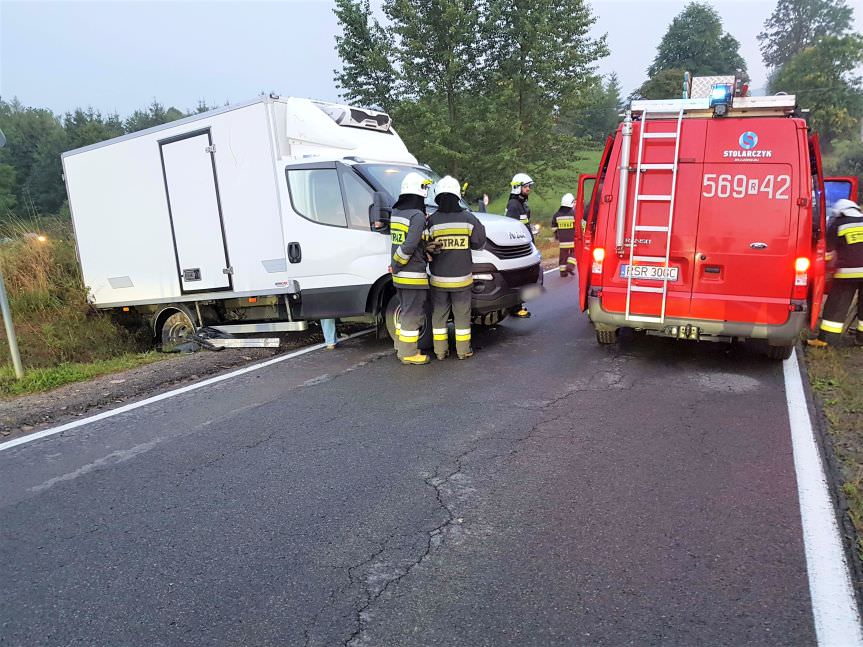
(845,245)
(408,255)
(519,209)
(563,226)
(455,233)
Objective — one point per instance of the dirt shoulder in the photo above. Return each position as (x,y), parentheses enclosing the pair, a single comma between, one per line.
(28,413)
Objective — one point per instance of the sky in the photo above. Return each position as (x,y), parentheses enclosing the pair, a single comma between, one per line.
(117,56)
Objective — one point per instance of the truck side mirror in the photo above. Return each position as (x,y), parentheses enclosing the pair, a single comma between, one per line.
(380,213)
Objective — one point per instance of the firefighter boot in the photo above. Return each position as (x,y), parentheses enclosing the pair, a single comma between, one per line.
(417,360)
(521,312)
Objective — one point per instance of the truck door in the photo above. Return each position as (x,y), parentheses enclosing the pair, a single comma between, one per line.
(195,212)
(587,208)
(821,197)
(838,188)
(331,248)
(747,222)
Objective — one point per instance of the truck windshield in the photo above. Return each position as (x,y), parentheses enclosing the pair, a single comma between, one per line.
(388,178)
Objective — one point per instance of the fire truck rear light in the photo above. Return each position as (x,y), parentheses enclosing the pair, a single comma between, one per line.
(801,264)
(598,257)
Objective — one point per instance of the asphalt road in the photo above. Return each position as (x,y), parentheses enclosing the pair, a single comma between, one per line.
(547,492)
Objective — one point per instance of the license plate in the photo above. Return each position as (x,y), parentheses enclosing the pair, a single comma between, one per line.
(649,272)
(529,292)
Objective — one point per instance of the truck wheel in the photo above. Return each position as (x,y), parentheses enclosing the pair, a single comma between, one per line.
(391,316)
(780,352)
(175,330)
(606,337)
(489,318)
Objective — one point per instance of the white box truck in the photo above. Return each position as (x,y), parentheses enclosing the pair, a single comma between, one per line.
(261,216)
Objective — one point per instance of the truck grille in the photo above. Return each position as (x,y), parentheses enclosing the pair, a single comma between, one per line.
(508,251)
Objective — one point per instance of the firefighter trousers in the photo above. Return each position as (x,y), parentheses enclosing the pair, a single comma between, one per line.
(836,309)
(458,303)
(566,261)
(411,315)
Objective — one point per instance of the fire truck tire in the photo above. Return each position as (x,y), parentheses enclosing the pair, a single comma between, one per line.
(606,337)
(780,352)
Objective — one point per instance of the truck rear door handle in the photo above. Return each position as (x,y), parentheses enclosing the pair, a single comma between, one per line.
(295,253)
(758,245)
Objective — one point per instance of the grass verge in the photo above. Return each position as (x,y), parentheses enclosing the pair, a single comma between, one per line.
(43,379)
(836,375)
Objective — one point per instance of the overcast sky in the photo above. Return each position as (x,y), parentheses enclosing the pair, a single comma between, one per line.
(120,55)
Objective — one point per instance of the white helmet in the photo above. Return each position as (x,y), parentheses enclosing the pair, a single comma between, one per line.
(448,184)
(519,180)
(847,208)
(415,184)
(567,200)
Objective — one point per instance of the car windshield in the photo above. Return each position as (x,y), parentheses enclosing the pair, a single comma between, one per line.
(388,178)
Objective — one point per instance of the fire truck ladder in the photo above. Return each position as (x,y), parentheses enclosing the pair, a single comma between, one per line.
(639,198)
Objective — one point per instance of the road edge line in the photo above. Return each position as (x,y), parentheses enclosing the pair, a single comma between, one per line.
(9,444)
(834,606)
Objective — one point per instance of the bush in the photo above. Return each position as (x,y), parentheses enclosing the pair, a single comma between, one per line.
(53,320)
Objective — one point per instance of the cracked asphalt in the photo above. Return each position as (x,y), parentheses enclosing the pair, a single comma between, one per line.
(547,492)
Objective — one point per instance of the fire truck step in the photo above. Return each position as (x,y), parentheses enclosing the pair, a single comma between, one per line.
(653,197)
(649,259)
(658,167)
(651,228)
(660,135)
(646,288)
(644,319)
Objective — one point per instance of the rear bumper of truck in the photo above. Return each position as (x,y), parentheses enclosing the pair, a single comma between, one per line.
(776,335)
(505,289)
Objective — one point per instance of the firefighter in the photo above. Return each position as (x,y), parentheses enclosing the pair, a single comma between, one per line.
(845,247)
(410,277)
(452,233)
(518,208)
(563,226)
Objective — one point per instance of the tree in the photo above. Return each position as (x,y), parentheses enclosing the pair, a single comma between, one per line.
(155,115)
(8,200)
(794,25)
(595,114)
(695,42)
(367,76)
(667,84)
(822,76)
(85,127)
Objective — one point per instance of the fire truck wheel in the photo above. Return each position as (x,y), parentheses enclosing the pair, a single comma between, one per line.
(780,352)
(175,330)
(606,336)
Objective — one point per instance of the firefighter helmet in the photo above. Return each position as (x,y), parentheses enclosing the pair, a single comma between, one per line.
(845,207)
(415,184)
(567,200)
(448,184)
(520,180)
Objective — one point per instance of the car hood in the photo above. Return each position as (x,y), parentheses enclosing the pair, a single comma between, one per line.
(502,230)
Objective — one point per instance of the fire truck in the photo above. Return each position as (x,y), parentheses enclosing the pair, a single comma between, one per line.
(706,220)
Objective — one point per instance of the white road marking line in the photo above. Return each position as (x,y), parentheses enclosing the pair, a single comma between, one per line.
(553,269)
(9,444)
(834,607)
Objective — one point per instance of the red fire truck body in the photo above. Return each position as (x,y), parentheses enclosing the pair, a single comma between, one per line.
(706,227)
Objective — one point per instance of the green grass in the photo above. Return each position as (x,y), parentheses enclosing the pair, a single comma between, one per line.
(43,379)
(550,187)
(836,375)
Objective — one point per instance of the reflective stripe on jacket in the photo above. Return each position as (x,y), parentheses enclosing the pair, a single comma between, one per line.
(456,234)
(407,255)
(563,225)
(845,243)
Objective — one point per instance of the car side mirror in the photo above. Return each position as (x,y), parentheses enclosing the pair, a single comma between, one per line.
(379,213)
